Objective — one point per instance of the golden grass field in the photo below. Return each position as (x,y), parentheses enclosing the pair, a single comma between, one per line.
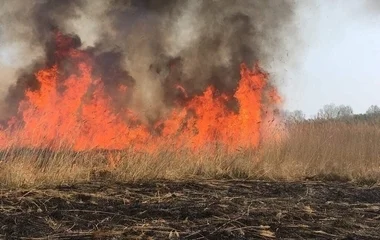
(315,149)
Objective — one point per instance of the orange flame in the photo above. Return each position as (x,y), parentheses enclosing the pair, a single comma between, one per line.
(81,116)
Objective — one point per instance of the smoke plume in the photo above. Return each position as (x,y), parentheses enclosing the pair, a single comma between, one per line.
(149,45)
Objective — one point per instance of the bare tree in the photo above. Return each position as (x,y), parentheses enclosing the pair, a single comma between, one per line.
(331,111)
(328,111)
(295,116)
(373,110)
(345,111)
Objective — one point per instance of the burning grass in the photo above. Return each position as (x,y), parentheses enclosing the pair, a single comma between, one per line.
(70,128)
(75,111)
(312,150)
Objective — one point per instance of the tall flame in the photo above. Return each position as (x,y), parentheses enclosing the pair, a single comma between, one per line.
(77,113)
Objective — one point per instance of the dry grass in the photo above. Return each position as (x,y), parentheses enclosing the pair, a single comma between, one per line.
(326,149)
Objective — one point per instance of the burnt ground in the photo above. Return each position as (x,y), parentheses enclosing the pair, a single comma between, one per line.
(209,209)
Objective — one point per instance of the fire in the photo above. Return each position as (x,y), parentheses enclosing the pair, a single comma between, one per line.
(76,113)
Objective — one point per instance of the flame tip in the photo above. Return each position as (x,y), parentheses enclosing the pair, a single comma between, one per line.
(78,113)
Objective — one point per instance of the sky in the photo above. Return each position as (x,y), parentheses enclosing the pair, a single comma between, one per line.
(336,59)
(339,60)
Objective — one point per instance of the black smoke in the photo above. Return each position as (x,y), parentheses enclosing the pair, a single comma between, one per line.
(152,45)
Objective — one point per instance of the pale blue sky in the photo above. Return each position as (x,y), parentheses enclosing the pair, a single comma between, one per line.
(338,58)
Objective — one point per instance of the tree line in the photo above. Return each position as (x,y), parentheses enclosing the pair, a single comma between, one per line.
(332,111)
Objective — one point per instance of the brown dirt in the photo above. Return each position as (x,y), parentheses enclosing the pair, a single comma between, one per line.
(209,209)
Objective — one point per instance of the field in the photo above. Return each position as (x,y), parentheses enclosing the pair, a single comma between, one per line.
(320,181)
(193,210)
